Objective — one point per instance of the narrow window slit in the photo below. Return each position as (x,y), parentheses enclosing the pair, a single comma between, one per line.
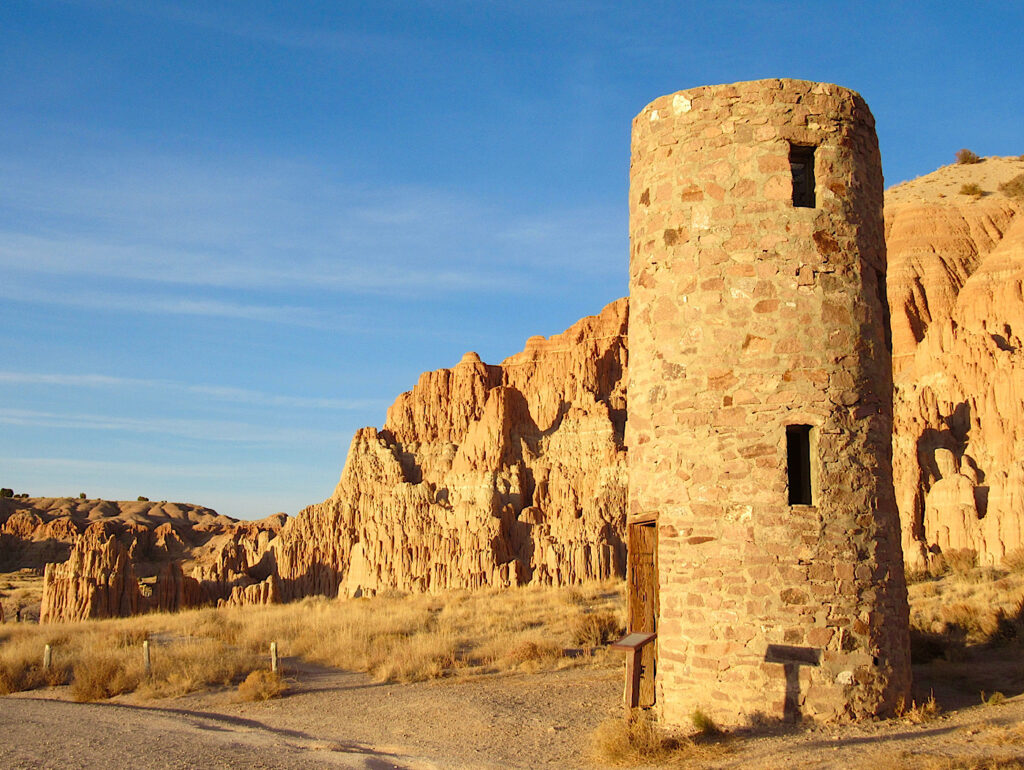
(798,464)
(801,163)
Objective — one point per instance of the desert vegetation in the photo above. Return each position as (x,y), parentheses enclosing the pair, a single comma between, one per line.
(966,157)
(397,638)
(1013,188)
(971,189)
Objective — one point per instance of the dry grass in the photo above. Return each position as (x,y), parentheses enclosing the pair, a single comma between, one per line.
(1014,561)
(919,713)
(261,685)
(912,760)
(971,189)
(393,638)
(593,629)
(1013,188)
(638,740)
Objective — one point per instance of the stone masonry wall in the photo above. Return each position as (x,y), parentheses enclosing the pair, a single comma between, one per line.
(747,315)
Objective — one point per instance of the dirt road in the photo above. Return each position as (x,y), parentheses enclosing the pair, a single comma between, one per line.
(337,719)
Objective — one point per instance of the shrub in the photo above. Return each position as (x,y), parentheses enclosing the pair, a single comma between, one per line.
(530,652)
(1014,188)
(704,724)
(261,685)
(966,157)
(6,492)
(592,629)
(81,495)
(142,499)
(633,741)
(971,189)
(100,676)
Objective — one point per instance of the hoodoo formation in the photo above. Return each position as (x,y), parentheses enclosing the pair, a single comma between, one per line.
(760,411)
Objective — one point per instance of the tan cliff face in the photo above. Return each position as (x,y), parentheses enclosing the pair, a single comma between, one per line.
(483,475)
(956,268)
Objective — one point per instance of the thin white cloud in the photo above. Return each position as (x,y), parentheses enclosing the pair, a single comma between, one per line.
(203,430)
(287,227)
(218,392)
(134,302)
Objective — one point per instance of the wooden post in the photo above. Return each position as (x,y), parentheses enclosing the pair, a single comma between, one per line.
(633,645)
(273,657)
(47,657)
(145,658)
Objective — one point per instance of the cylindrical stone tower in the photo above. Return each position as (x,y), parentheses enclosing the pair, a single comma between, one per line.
(760,404)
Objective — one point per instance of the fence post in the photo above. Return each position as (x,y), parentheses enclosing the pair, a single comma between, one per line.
(273,657)
(145,658)
(47,657)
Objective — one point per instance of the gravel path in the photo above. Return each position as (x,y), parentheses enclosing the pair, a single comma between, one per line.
(337,719)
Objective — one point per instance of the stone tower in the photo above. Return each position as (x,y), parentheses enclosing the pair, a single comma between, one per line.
(760,407)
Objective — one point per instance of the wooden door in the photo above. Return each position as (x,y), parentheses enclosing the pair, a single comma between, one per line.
(642,605)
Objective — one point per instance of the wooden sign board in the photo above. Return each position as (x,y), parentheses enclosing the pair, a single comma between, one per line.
(633,641)
(633,644)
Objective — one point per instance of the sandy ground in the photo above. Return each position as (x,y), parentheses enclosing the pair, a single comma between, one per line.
(337,719)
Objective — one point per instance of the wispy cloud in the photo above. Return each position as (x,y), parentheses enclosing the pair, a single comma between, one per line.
(134,302)
(218,392)
(203,430)
(288,227)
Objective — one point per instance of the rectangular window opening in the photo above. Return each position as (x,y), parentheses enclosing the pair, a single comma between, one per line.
(798,464)
(801,163)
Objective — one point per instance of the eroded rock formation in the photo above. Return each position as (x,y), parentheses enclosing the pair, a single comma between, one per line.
(483,475)
(109,559)
(956,269)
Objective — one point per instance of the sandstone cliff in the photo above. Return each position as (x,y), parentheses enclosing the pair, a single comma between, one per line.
(483,475)
(956,269)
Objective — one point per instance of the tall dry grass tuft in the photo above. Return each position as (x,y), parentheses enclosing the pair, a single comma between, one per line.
(638,740)
(592,629)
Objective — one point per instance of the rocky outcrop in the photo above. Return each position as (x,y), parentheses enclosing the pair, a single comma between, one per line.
(124,558)
(97,581)
(483,475)
(956,270)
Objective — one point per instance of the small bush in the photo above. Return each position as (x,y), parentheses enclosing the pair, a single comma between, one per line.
(1014,188)
(592,629)
(261,685)
(142,499)
(633,741)
(704,724)
(81,496)
(966,157)
(6,492)
(98,677)
(534,652)
(995,699)
(971,189)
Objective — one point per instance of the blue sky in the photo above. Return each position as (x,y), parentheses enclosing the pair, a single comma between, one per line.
(232,232)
